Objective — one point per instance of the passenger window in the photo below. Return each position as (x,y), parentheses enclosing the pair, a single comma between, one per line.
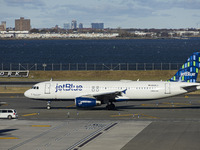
(10,111)
(4,111)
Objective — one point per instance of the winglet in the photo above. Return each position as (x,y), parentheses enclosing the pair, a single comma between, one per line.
(124,91)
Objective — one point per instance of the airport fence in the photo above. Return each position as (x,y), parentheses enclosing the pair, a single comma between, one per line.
(89,66)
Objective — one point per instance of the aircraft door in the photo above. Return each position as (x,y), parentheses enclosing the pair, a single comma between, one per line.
(167,88)
(47,88)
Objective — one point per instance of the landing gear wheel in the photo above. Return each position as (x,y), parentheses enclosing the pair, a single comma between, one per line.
(49,105)
(110,106)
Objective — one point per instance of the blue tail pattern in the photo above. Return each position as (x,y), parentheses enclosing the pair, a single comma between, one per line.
(189,70)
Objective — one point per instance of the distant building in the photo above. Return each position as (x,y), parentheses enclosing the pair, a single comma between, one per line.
(56,27)
(22,24)
(97,25)
(66,26)
(3,26)
(74,24)
(80,26)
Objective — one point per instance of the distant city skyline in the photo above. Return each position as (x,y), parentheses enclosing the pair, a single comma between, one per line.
(114,13)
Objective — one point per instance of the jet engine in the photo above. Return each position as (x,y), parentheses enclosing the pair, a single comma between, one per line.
(87,102)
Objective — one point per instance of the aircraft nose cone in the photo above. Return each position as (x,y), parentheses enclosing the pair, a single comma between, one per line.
(27,93)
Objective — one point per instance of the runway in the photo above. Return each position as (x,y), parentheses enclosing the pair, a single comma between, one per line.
(172,123)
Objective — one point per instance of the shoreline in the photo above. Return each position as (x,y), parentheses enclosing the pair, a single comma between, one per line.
(114,38)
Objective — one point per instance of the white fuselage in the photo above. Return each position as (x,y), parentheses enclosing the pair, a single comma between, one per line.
(133,90)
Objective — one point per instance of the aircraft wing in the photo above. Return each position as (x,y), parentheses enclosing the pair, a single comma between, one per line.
(106,96)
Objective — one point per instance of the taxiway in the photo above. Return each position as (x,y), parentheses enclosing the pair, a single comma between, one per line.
(172,123)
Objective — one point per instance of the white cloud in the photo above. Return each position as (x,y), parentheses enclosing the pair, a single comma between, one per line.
(25,3)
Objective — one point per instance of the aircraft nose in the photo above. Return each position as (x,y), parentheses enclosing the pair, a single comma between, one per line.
(27,94)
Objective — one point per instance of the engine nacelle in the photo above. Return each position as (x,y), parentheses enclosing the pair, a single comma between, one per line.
(86,102)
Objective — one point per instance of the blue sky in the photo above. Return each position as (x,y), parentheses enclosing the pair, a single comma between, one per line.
(113,13)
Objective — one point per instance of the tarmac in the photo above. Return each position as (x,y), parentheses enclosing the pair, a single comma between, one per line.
(172,123)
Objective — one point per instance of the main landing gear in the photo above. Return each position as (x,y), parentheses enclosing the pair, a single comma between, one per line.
(49,105)
(110,106)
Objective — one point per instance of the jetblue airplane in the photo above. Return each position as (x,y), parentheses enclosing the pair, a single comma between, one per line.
(94,93)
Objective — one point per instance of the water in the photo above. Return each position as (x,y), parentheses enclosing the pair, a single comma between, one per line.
(98,51)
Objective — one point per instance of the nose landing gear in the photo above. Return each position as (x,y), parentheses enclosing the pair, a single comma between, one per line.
(49,105)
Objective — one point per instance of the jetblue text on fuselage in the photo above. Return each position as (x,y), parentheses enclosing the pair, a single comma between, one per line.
(68,87)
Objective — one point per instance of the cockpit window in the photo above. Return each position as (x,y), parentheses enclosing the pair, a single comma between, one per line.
(35,87)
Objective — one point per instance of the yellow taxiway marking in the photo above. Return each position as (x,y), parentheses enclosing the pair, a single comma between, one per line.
(167,104)
(70,105)
(177,103)
(33,114)
(149,116)
(124,115)
(8,138)
(154,105)
(41,126)
(4,104)
(148,104)
(135,116)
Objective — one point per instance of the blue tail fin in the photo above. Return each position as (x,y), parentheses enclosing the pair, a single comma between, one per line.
(189,70)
